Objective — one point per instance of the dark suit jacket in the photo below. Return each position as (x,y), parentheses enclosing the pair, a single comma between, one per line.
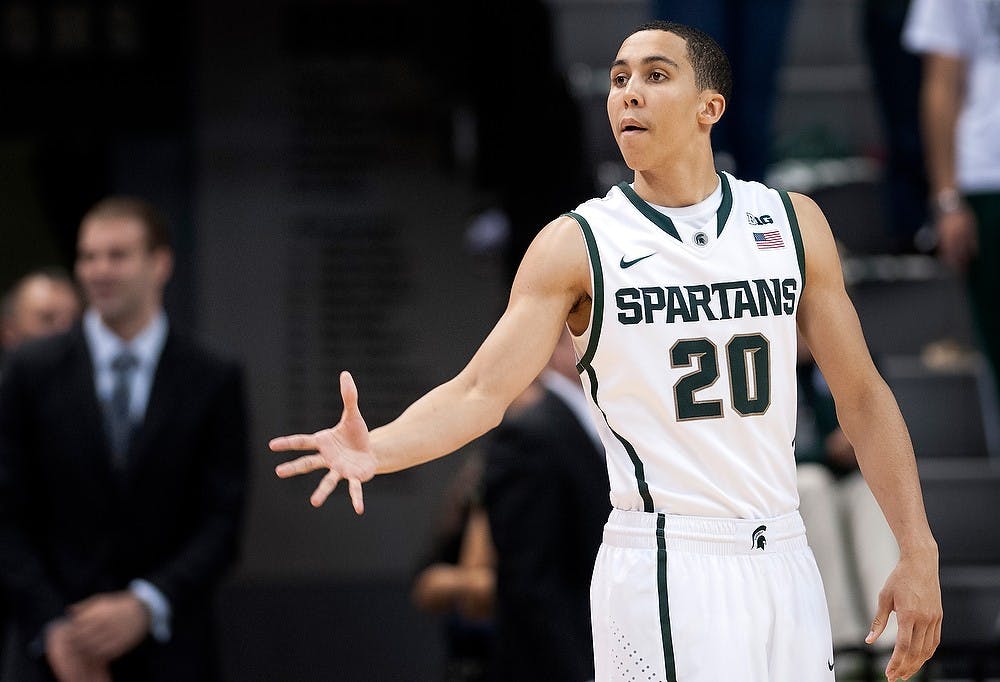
(546,492)
(71,525)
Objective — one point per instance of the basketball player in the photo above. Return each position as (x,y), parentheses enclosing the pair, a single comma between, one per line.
(683,291)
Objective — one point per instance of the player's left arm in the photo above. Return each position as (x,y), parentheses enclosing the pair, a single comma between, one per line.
(870,418)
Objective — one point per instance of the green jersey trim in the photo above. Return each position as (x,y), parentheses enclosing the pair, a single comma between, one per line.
(654,216)
(726,207)
(640,474)
(661,584)
(666,224)
(597,309)
(793,222)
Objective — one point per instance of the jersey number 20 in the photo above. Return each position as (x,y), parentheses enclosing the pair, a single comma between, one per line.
(749,360)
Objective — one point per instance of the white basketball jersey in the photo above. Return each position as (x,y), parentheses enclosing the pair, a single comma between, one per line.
(689,358)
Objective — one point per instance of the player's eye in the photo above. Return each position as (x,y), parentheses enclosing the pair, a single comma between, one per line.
(619,80)
(657,76)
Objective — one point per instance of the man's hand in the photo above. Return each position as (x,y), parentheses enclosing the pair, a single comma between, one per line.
(957,237)
(67,663)
(912,590)
(109,625)
(344,449)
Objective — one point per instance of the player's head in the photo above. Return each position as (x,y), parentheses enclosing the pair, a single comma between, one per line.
(669,85)
(41,303)
(123,261)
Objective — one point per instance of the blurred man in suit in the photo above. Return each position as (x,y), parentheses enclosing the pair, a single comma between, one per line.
(39,304)
(122,474)
(547,498)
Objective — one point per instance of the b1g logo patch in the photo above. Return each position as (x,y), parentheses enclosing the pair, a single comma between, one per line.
(762,220)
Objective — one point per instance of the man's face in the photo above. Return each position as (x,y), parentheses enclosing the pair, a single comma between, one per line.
(653,103)
(121,277)
(43,306)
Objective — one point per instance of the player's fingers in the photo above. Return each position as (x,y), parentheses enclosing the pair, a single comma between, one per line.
(325,487)
(302,465)
(299,441)
(348,392)
(357,497)
(900,652)
(916,656)
(881,617)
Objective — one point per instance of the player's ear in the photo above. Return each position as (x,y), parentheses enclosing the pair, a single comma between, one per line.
(713,104)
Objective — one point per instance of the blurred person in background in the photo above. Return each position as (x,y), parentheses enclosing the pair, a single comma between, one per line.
(42,303)
(458,580)
(753,35)
(960,44)
(122,474)
(546,492)
(896,74)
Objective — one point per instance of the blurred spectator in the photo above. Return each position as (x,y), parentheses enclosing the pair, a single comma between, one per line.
(752,33)
(960,44)
(41,303)
(459,580)
(547,497)
(523,88)
(122,474)
(896,74)
(854,546)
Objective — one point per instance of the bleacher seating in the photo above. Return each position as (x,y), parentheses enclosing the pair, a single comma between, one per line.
(962,498)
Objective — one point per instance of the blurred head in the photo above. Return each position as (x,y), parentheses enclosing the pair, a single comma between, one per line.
(41,303)
(123,262)
(669,85)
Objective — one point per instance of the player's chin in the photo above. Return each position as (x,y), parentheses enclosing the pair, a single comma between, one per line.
(635,161)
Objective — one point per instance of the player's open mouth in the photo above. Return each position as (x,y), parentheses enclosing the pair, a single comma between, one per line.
(630,125)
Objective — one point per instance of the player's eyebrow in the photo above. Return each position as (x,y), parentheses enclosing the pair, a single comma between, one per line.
(649,60)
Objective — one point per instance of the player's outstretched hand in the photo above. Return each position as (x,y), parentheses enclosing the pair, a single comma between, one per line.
(344,450)
(912,590)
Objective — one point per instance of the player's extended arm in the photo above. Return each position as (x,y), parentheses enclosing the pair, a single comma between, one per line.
(553,278)
(872,422)
(941,96)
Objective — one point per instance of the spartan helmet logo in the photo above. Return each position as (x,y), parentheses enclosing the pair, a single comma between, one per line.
(700,238)
(759,541)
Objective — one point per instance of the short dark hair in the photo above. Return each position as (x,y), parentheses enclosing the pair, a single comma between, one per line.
(709,60)
(157,230)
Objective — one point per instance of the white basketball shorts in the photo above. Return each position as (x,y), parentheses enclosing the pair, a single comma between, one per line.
(689,599)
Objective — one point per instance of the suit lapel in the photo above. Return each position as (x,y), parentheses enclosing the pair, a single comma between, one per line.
(89,425)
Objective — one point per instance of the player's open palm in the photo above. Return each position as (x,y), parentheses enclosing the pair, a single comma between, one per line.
(344,450)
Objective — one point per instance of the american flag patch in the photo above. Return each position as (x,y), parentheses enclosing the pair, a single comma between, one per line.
(768,240)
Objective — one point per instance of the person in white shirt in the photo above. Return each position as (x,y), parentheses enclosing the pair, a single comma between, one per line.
(960,44)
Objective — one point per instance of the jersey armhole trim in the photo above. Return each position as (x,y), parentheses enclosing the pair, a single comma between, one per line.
(793,223)
(597,307)
(640,471)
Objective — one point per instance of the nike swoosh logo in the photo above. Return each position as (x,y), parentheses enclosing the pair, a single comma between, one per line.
(629,263)
(830,664)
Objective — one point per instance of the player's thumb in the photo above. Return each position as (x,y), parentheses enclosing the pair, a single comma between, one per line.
(881,617)
(349,393)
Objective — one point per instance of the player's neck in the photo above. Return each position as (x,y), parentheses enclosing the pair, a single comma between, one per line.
(677,185)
